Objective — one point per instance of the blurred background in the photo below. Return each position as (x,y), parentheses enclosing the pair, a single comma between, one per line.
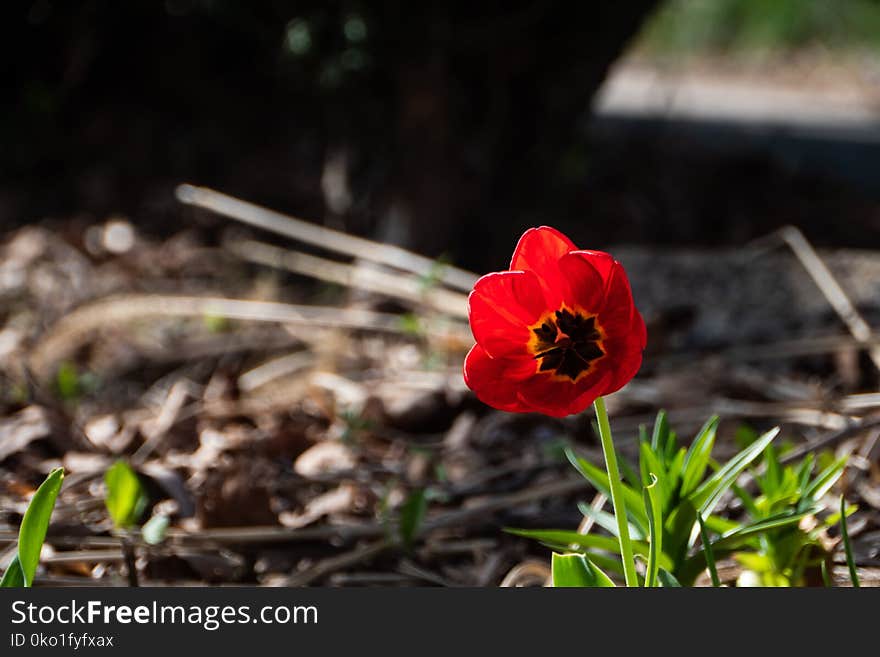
(213,344)
(714,122)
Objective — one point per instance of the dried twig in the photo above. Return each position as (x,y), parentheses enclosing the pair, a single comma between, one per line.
(325,238)
(275,369)
(398,286)
(829,286)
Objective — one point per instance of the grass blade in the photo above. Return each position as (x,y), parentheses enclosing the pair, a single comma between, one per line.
(847,546)
(825,479)
(697,459)
(411,515)
(655,529)
(734,538)
(710,556)
(661,432)
(608,522)
(667,579)
(709,493)
(35,523)
(571,540)
(14,576)
(826,576)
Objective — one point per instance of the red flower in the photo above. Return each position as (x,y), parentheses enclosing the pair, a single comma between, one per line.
(556,331)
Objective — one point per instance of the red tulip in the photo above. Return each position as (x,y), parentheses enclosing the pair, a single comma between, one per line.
(556,331)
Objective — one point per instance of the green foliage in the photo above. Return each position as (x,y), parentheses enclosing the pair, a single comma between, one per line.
(576,570)
(67,382)
(847,546)
(126,498)
(672,488)
(667,579)
(787,548)
(651,496)
(71,384)
(412,512)
(710,554)
(725,26)
(32,532)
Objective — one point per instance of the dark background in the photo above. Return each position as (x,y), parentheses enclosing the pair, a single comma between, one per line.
(458,125)
(458,114)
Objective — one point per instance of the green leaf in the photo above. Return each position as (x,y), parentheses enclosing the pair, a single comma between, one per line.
(608,522)
(572,540)
(411,515)
(14,576)
(35,523)
(709,493)
(607,563)
(847,546)
(805,469)
(652,467)
(738,536)
(576,570)
(697,458)
(655,529)
(679,524)
(710,556)
(153,531)
(748,501)
(772,479)
(635,507)
(720,525)
(667,579)
(67,382)
(661,432)
(826,576)
(825,479)
(126,498)
(675,470)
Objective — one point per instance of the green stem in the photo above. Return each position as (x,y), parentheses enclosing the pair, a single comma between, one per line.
(617,501)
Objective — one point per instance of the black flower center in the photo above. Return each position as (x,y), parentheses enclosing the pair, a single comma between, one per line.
(567,343)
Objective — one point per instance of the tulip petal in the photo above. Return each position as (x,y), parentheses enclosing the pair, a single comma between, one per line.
(616,313)
(624,353)
(501,308)
(601,261)
(496,380)
(583,287)
(539,251)
(539,247)
(559,398)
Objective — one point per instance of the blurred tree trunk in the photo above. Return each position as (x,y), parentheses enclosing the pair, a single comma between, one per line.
(422,123)
(487,108)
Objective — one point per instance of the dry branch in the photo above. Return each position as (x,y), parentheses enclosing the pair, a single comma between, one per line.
(326,238)
(397,286)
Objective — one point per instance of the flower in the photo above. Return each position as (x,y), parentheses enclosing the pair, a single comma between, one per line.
(556,331)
